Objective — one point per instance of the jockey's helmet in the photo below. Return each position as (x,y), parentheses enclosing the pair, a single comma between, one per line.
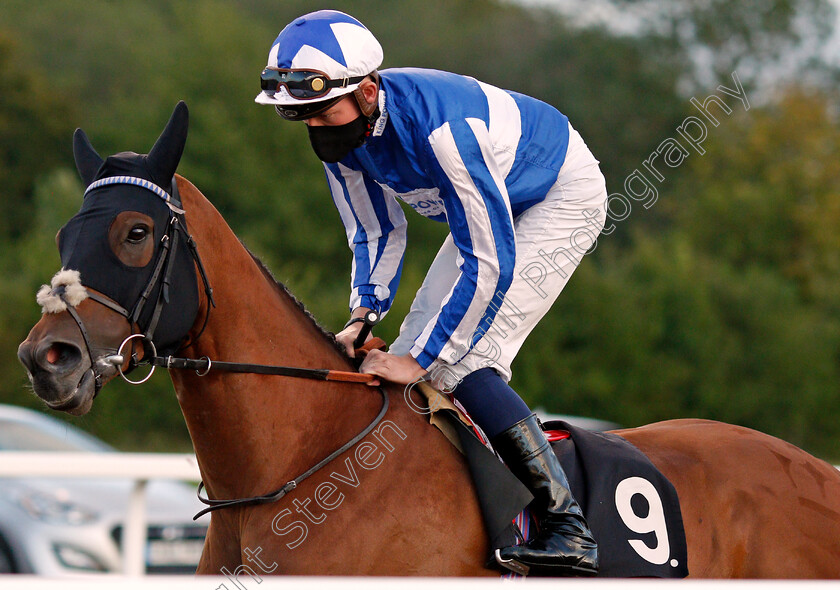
(315,61)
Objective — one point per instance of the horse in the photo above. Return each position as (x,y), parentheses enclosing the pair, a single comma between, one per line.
(400,500)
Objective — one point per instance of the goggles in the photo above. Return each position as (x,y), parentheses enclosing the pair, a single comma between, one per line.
(302,84)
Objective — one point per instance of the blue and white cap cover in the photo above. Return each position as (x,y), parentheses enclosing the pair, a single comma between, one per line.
(329,41)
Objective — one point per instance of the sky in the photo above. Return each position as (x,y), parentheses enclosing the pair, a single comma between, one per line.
(629,19)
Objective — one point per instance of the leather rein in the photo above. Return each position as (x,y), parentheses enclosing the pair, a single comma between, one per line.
(204,365)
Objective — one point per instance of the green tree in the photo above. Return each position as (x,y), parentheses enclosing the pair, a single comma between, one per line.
(729,311)
(768,193)
(34,123)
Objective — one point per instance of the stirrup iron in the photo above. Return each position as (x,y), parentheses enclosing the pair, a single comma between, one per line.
(512,564)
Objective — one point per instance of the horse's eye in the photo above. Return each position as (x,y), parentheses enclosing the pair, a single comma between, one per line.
(137,234)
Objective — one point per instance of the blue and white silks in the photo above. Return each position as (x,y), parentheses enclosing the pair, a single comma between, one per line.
(457,151)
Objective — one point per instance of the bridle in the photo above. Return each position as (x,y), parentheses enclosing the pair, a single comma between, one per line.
(162,275)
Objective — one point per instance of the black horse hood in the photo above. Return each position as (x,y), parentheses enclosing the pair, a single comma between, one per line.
(141,183)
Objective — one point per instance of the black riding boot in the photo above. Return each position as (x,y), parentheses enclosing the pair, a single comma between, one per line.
(564,545)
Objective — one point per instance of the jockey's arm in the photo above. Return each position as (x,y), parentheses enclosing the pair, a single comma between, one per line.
(481,225)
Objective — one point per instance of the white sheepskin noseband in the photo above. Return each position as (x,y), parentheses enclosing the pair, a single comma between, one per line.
(48,296)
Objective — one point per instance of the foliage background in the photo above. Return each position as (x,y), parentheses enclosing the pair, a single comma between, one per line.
(720,301)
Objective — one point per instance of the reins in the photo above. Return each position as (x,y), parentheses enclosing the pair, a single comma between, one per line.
(203,366)
(292,484)
(162,273)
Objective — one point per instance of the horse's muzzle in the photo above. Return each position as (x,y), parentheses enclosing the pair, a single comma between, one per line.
(60,374)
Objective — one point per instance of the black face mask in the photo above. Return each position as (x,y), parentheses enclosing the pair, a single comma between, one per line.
(84,245)
(332,143)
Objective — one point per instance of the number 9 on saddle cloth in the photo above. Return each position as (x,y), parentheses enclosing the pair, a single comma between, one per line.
(632,509)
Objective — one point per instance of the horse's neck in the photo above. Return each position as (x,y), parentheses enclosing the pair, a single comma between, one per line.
(251,431)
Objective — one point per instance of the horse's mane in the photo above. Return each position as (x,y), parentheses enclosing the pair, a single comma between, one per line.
(283,290)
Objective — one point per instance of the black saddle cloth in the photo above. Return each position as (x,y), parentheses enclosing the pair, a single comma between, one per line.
(632,509)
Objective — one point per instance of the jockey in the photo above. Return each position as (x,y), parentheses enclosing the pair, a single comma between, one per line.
(524,200)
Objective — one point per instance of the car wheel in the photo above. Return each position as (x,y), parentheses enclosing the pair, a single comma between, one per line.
(7,564)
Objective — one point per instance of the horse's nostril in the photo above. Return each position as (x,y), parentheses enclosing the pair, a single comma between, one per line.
(53,354)
(60,355)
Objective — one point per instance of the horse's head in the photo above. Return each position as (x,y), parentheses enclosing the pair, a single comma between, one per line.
(120,255)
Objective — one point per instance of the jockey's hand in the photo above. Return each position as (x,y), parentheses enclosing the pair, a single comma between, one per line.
(397,369)
(348,335)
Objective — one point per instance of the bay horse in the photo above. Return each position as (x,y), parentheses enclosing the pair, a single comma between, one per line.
(398,503)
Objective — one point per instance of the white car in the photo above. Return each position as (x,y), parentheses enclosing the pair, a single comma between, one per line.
(54,527)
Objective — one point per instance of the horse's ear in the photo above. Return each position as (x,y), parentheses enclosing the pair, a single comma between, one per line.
(88,161)
(164,156)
